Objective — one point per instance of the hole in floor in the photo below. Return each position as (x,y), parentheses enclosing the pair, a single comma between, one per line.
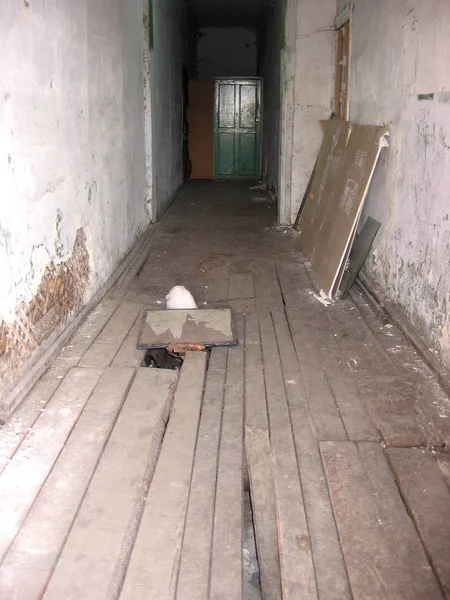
(252,584)
(160,358)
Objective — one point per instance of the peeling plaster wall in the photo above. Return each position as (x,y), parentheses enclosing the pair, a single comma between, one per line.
(226,52)
(166,60)
(399,58)
(71,138)
(315,47)
(270,40)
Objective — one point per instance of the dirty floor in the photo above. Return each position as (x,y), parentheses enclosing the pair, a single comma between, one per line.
(322,432)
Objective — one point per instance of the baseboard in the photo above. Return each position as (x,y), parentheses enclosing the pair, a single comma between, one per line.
(39,363)
(388,310)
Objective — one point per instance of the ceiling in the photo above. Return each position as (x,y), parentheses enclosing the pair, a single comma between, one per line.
(227,13)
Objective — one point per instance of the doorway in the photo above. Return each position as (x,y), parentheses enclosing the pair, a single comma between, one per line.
(237,129)
(225,128)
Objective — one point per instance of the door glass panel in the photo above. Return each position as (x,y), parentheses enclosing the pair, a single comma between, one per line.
(226,106)
(247,105)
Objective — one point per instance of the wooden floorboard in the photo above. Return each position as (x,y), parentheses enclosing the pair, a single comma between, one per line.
(227,544)
(338,411)
(427,497)
(100,500)
(324,410)
(296,562)
(217,284)
(352,411)
(430,398)
(89,330)
(267,289)
(102,352)
(128,355)
(388,397)
(241,286)
(383,553)
(193,579)
(329,567)
(14,431)
(30,561)
(95,556)
(25,474)
(260,463)
(154,563)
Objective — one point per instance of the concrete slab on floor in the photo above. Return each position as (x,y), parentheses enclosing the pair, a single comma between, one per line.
(124,482)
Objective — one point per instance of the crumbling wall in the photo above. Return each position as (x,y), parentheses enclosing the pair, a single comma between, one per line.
(60,294)
(72,157)
(399,77)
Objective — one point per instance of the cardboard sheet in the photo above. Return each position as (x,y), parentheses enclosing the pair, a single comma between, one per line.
(345,166)
(211,327)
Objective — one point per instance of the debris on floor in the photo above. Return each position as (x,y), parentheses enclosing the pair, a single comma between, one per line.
(252,585)
(286,230)
(322,298)
(313,409)
(214,261)
(179,297)
(262,185)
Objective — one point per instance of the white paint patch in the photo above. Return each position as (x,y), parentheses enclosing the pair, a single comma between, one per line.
(220,320)
(170,321)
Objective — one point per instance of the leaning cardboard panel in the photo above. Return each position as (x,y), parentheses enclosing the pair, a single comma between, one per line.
(342,191)
(317,206)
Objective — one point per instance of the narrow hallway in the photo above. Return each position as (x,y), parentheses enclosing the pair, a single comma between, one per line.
(120,481)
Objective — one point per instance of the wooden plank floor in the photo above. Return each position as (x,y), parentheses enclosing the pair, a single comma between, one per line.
(121,482)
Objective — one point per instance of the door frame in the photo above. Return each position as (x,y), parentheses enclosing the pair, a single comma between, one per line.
(147,32)
(287,110)
(261,101)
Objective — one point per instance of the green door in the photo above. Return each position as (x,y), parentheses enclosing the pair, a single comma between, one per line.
(237,126)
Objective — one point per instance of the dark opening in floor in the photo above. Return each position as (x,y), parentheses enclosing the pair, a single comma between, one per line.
(252,584)
(160,358)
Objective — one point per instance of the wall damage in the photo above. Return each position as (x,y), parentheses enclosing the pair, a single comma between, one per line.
(72,159)
(61,293)
(399,77)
